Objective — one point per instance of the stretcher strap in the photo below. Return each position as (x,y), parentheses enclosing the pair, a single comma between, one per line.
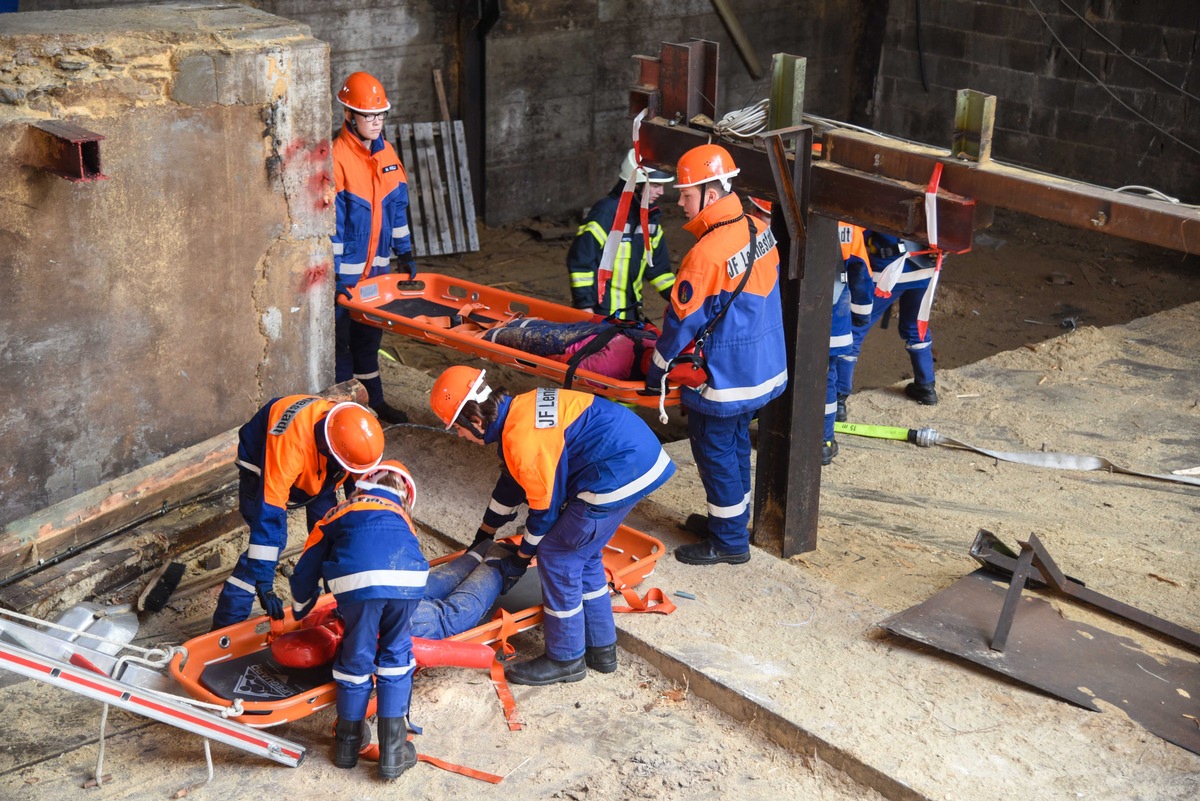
(371,754)
(504,650)
(461,770)
(505,695)
(652,601)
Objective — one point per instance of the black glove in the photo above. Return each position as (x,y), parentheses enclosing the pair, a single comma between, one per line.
(859,320)
(482,536)
(269,600)
(404,261)
(511,569)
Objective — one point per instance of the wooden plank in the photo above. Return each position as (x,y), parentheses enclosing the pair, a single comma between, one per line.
(98,572)
(441,95)
(415,218)
(464,180)
(454,189)
(431,174)
(77,522)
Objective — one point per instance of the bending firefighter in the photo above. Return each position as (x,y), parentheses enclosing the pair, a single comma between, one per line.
(581,463)
(642,255)
(725,306)
(295,451)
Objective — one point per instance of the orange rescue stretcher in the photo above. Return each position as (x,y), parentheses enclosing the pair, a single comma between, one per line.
(394,303)
(234,665)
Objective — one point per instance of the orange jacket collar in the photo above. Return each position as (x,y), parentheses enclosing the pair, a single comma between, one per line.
(726,208)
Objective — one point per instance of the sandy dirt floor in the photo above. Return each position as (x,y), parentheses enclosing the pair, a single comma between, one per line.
(895,523)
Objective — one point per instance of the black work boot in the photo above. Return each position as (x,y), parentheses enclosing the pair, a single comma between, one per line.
(705,553)
(388,414)
(349,738)
(602,658)
(396,753)
(923,394)
(697,524)
(545,670)
(829,450)
(840,415)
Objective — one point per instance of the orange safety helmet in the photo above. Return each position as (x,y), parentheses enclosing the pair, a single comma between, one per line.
(762,205)
(703,164)
(452,390)
(354,436)
(362,92)
(397,467)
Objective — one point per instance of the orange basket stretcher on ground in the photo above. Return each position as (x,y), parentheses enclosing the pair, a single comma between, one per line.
(394,303)
(233,666)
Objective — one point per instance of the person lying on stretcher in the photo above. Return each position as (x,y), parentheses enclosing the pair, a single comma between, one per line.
(616,349)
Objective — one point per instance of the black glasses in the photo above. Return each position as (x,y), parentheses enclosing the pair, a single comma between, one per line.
(382,115)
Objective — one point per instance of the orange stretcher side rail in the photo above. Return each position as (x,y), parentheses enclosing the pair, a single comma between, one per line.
(370,296)
(630,557)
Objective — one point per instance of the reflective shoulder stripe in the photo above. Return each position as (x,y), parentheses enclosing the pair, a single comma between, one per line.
(592,227)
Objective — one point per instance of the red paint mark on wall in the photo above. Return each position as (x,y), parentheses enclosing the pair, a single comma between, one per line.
(315,276)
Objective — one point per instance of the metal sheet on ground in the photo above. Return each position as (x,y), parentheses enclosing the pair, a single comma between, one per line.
(1067,658)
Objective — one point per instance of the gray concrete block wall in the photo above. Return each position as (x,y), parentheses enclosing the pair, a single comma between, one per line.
(151,310)
(1051,115)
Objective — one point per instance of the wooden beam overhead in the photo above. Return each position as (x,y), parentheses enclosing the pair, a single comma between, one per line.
(1080,205)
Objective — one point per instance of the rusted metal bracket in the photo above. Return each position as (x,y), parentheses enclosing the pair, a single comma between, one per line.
(1035,559)
(974,119)
(71,151)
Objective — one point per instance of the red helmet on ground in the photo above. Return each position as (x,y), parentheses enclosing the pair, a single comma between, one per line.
(394,466)
(362,92)
(354,436)
(452,390)
(703,164)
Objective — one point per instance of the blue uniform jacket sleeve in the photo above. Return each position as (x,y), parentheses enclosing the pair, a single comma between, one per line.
(403,243)
(306,577)
(540,521)
(507,498)
(339,205)
(584,258)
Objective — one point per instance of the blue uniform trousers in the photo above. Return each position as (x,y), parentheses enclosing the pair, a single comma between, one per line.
(721,448)
(841,342)
(378,641)
(356,354)
(458,594)
(920,351)
(577,610)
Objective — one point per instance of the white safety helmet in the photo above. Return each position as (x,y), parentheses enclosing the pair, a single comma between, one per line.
(644,173)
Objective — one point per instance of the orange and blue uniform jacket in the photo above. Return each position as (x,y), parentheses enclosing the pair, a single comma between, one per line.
(631,266)
(280,467)
(559,445)
(363,549)
(372,208)
(365,552)
(745,353)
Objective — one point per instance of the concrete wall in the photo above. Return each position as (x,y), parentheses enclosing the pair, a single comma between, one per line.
(1051,114)
(149,311)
